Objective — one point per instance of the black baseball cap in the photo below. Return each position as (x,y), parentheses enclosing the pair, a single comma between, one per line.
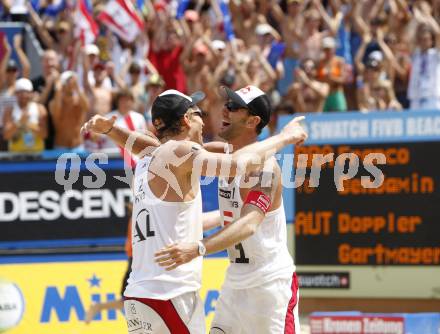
(171,105)
(253,99)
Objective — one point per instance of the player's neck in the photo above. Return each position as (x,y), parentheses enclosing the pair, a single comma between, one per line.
(242,141)
(181,136)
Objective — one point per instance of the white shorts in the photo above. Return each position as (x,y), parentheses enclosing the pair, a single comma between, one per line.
(270,308)
(181,315)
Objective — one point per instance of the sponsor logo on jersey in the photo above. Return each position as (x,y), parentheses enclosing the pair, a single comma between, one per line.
(224,193)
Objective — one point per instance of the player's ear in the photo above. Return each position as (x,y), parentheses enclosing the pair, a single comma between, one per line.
(253,121)
(185,120)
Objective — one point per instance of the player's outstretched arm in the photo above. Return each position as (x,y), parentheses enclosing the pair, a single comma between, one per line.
(133,141)
(252,214)
(248,158)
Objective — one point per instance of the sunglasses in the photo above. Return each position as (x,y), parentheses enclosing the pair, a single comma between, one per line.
(199,112)
(232,106)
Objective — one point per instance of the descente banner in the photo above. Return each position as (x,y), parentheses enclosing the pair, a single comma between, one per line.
(34,206)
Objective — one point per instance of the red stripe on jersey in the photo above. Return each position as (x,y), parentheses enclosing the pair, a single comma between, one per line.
(227,213)
(166,310)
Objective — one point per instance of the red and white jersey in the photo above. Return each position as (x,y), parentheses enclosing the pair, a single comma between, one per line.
(262,257)
(156,224)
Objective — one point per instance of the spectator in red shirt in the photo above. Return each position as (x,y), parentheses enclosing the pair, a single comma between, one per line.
(165,51)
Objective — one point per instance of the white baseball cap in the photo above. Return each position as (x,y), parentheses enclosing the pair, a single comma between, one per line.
(263,29)
(253,99)
(65,76)
(328,43)
(218,44)
(376,55)
(23,85)
(91,49)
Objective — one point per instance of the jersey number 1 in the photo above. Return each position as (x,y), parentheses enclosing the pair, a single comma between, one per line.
(242,258)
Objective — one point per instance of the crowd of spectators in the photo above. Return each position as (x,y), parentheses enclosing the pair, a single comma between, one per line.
(308,55)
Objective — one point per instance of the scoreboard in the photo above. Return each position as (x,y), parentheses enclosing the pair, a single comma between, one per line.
(396,223)
(365,203)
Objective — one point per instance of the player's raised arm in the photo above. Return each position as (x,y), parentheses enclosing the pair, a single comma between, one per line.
(135,142)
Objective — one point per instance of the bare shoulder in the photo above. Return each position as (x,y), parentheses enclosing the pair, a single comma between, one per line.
(179,153)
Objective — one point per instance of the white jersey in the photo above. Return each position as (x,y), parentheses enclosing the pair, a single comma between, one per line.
(156,224)
(264,256)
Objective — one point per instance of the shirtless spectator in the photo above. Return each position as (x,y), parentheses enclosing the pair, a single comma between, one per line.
(100,96)
(195,61)
(260,72)
(291,24)
(331,70)
(68,110)
(306,93)
(25,123)
(312,36)
(245,18)
(270,48)
(92,52)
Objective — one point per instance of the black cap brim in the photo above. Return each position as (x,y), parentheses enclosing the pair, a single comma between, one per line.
(233,96)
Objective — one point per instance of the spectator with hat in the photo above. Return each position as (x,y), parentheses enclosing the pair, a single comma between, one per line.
(374,92)
(92,52)
(100,96)
(25,123)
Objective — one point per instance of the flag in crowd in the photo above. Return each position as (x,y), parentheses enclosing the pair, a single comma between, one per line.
(181,7)
(52,9)
(120,17)
(227,22)
(86,27)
